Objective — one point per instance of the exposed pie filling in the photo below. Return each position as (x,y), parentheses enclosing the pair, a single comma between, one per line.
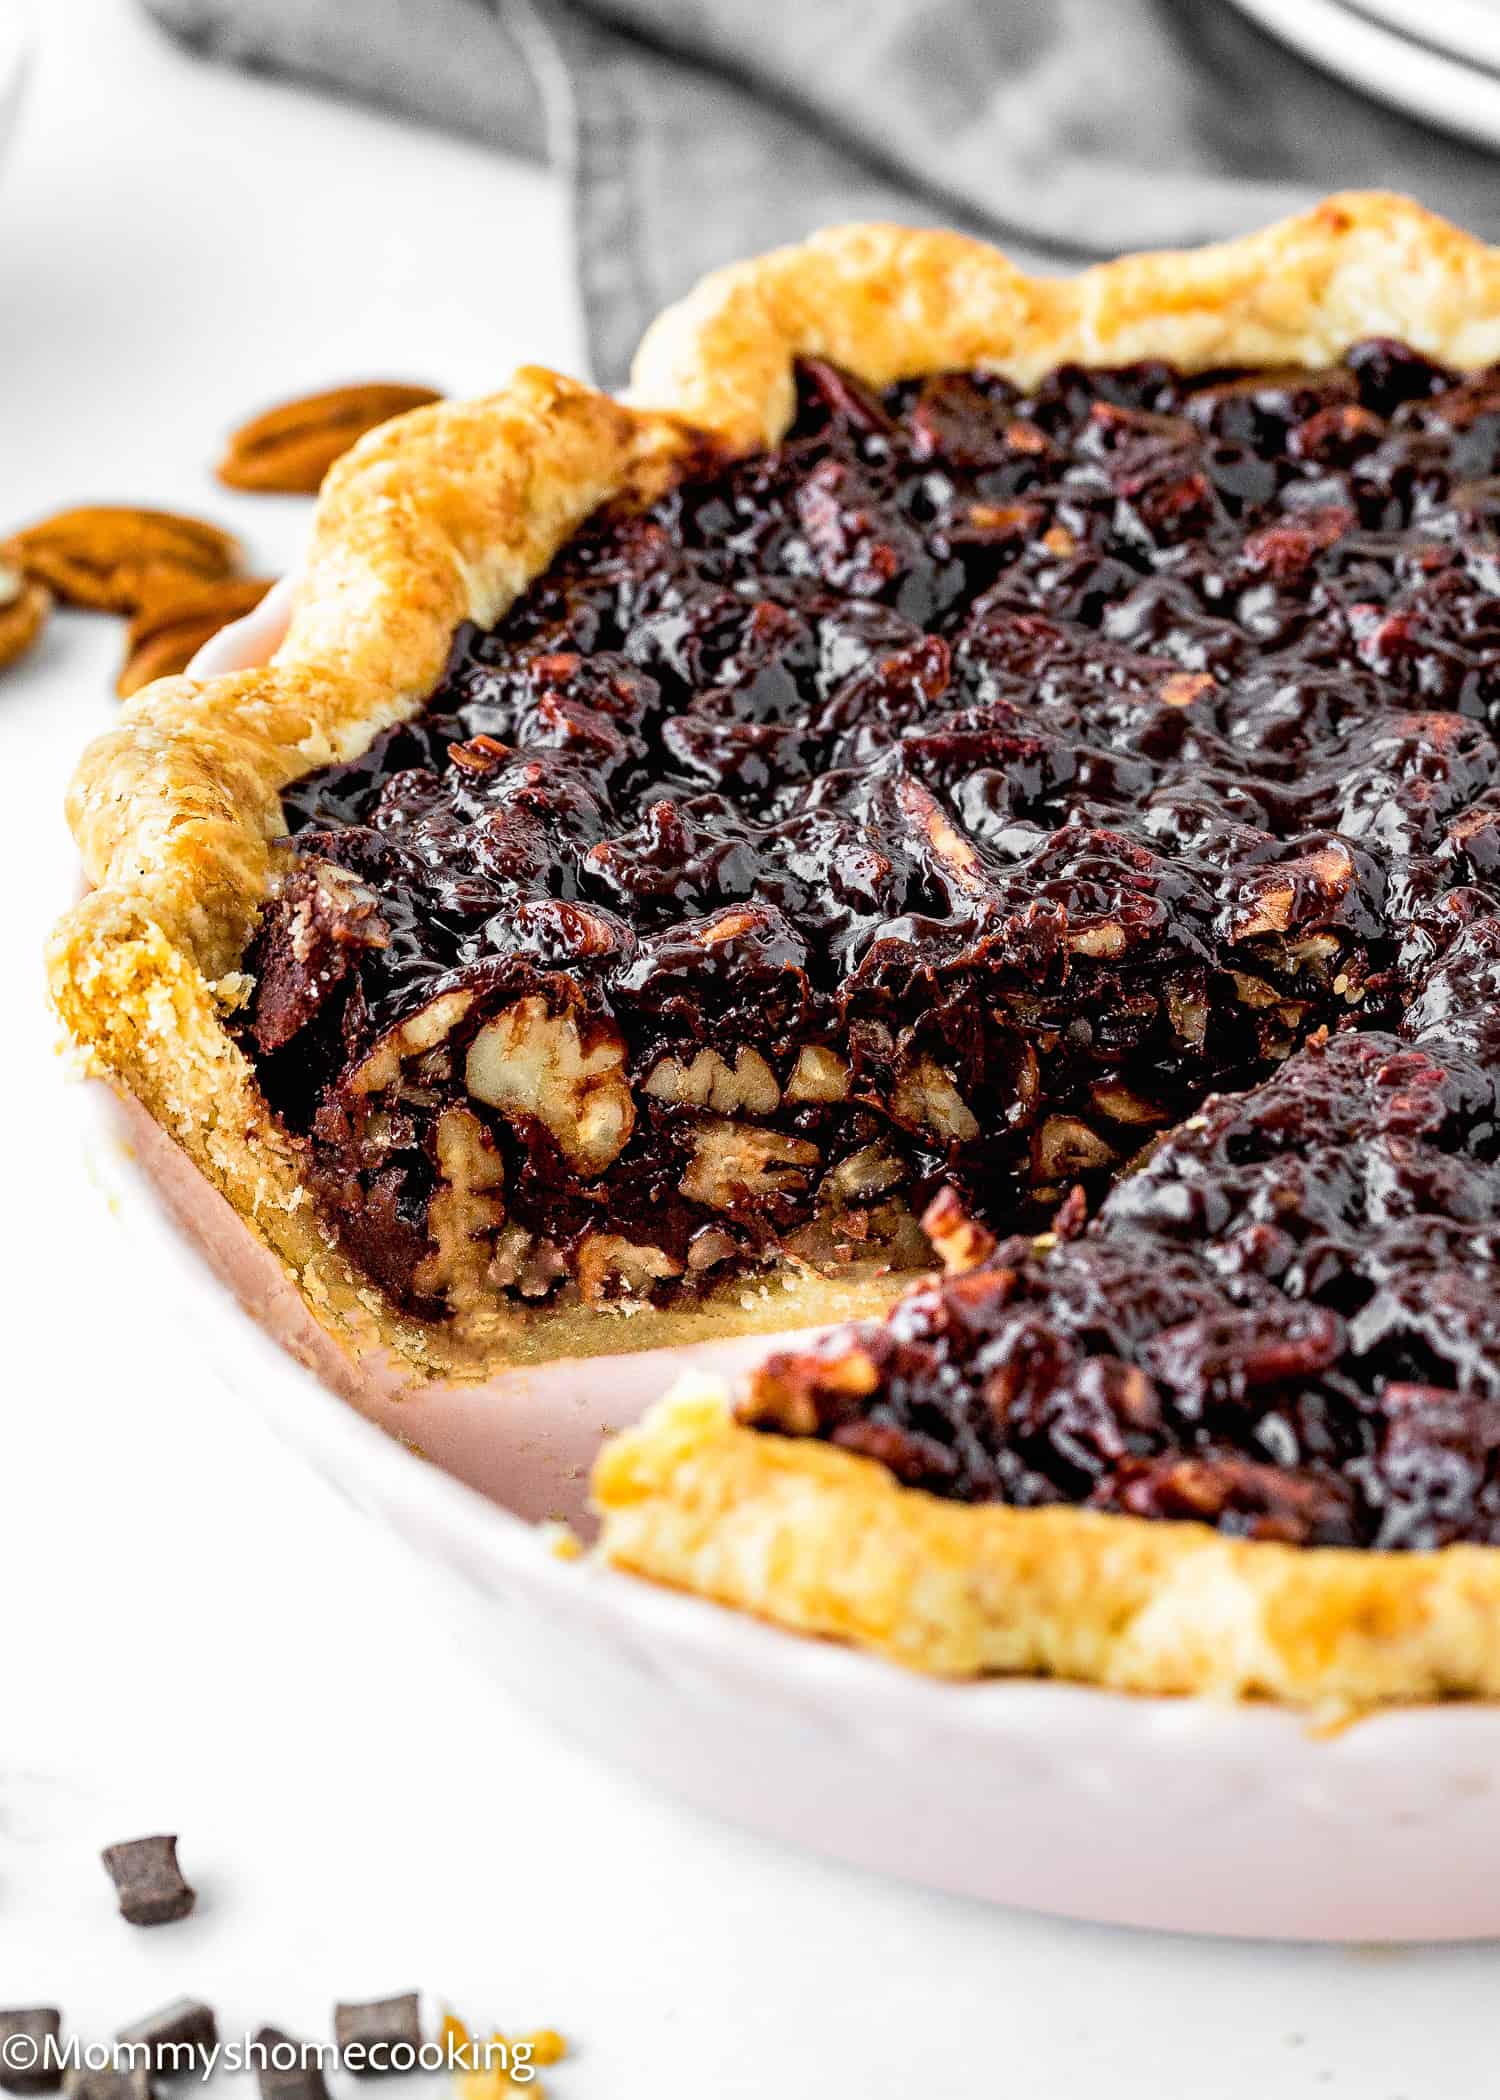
(979,788)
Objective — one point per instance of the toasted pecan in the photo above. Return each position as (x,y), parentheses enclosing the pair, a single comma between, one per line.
(164,638)
(288,449)
(114,558)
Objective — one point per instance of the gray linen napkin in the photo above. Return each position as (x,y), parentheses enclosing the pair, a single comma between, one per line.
(696,131)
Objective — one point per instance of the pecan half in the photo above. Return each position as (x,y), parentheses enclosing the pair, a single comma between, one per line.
(24,607)
(115,559)
(288,449)
(164,638)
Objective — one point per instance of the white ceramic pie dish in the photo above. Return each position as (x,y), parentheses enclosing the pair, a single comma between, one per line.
(1172,1813)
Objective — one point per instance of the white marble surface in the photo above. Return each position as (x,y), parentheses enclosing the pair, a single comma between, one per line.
(196,1635)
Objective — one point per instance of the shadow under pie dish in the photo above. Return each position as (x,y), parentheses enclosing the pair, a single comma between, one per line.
(948,729)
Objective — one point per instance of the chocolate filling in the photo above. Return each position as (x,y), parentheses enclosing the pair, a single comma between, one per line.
(957,797)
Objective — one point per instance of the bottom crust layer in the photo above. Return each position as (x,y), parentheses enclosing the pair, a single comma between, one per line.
(825,1542)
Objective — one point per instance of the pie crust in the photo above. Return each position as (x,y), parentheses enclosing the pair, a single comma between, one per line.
(827,1542)
(447,514)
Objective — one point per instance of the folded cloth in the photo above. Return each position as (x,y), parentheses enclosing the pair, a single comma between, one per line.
(696,131)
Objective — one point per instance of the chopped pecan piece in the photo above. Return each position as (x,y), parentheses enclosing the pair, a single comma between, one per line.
(414,1037)
(960,1242)
(819,1074)
(567,1072)
(738,1165)
(860,1175)
(785,1393)
(327,921)
(748,1087)
(1065,1146)
(928,1099)
(464,1214)
(610,1266)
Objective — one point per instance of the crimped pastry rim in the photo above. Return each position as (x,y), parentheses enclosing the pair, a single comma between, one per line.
(446,515)
(829,1543)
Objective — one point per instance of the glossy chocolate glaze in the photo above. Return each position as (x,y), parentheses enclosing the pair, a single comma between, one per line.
(1092,750)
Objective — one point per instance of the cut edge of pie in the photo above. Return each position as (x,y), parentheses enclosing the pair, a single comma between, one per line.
(446,515)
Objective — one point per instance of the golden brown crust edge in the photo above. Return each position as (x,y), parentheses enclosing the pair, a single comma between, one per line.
(888,302)
(447,513)
(443,516)
(826,1542)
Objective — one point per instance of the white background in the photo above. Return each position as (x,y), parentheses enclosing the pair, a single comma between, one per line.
(195,1634)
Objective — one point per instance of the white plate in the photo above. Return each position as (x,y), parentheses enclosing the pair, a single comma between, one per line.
(1420,82)
(1171,1813)
(1469,30)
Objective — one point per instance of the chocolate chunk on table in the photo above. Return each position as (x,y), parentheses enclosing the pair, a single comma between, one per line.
(26,2063)
(149,1880)
(367,2035)
(179,2037)
(84,2084)
(285,2069)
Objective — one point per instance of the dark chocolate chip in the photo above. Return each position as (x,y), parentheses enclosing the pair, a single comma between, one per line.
(133,2084)
(30,2061)
(380,2037)
(149,1880)
(287,2070)
(179,2038)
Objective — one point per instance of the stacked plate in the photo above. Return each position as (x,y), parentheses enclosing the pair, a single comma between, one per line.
(1434,59)
(15,41)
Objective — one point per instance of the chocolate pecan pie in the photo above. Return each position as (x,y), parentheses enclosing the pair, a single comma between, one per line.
(1016,754)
